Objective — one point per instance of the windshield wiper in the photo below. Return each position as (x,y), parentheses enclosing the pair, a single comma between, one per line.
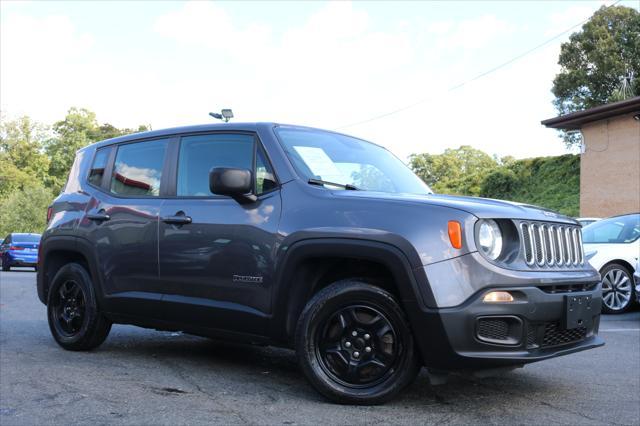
(339,185)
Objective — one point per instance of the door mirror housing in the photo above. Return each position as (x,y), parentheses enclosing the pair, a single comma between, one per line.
(236,183)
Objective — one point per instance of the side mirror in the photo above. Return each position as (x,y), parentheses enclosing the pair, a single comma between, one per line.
(236,183)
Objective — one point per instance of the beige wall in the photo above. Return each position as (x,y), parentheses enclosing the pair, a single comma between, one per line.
(610,167)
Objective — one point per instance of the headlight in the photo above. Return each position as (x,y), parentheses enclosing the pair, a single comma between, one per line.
(490,239)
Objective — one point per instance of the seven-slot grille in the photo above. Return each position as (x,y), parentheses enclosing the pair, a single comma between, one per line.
(551,244)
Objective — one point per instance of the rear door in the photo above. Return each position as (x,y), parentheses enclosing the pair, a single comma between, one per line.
(215,253)
(121,222)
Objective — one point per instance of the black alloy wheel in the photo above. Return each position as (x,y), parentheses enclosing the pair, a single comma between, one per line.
(355,345)
(72,310)
(358,346)
(69,308)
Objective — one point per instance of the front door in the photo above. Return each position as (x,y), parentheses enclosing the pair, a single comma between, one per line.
(215,253)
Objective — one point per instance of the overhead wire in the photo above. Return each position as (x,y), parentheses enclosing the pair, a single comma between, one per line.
(477,77)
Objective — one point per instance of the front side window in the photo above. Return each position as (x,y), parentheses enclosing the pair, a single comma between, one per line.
(199,154)
(97,168)
(344,160)
(615,230)
(265,178)
(138,168)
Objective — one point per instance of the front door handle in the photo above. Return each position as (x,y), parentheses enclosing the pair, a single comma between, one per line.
(101,216)
(178,219)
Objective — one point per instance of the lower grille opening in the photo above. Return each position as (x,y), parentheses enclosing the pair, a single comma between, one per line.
(568,288)
(555,336)
(505,330)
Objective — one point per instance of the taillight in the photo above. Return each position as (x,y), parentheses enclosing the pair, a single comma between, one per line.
(15,248)
(49,213)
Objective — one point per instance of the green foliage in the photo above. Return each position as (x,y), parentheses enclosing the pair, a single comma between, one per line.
(21,145)
(25,210)
(501,183)
(78,129)
(12,178)
(74,132)
(551,182)
(600,63)
(456,171)
(35,161)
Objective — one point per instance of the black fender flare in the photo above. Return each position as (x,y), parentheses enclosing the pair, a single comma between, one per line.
(72,244)
(287,294)
(65,243)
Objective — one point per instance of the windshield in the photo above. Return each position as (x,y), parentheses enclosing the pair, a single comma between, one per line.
(348,161)
(616,230)
(26,238)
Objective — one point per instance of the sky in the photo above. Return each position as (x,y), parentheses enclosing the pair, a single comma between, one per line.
(333,65)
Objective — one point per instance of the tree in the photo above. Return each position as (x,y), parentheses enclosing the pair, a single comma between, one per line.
(78,129)
(501,183)
(22,148)
(600,63)
(25,210)
(456,171)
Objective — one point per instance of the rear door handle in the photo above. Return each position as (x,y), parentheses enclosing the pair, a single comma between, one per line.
(101,216)
(178,219)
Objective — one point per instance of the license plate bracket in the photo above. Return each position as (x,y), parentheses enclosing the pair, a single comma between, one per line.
(578,311)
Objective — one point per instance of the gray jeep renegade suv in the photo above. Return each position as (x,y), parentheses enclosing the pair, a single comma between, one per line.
(303,238)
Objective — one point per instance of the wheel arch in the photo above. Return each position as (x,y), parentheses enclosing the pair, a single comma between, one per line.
(312,264)
(621,262)
(59,251)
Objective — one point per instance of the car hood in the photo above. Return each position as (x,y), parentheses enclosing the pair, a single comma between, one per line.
(484,208)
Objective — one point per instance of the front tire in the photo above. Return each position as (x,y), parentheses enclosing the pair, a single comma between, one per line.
(354,344)
(74,319)
(617,289)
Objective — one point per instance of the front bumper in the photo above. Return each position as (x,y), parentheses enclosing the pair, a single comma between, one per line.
(478,335)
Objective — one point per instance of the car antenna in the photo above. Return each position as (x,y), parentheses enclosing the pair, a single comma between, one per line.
(225,115)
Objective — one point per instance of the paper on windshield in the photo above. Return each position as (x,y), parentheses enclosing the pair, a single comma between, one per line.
(320,164)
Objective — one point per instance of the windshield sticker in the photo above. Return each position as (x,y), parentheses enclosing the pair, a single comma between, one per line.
(320,164)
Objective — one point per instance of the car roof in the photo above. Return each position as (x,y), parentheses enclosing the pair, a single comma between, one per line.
(23,233)
(238,127)
(233,127)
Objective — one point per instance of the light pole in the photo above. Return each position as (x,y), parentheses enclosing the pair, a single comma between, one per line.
(225,115)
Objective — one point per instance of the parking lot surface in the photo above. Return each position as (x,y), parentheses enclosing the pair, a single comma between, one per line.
(141,376)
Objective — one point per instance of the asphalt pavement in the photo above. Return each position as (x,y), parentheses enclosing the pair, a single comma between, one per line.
(147,377)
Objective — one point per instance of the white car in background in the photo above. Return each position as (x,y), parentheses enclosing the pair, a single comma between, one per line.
(636,278)
(584,221)
(612,246)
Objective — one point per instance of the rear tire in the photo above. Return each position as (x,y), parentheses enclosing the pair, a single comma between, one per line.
(354,344)
(5,268)
(75,322)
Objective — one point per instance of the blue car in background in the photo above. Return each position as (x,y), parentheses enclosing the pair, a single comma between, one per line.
(19,250)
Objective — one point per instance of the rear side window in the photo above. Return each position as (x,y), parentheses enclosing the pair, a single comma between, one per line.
(97,168)
(26,238)
(138,168)
(200,154)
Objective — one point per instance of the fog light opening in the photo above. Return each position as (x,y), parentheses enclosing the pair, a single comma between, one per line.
(498,297)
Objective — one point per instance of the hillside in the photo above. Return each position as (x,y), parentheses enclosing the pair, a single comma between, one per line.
(552,182)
